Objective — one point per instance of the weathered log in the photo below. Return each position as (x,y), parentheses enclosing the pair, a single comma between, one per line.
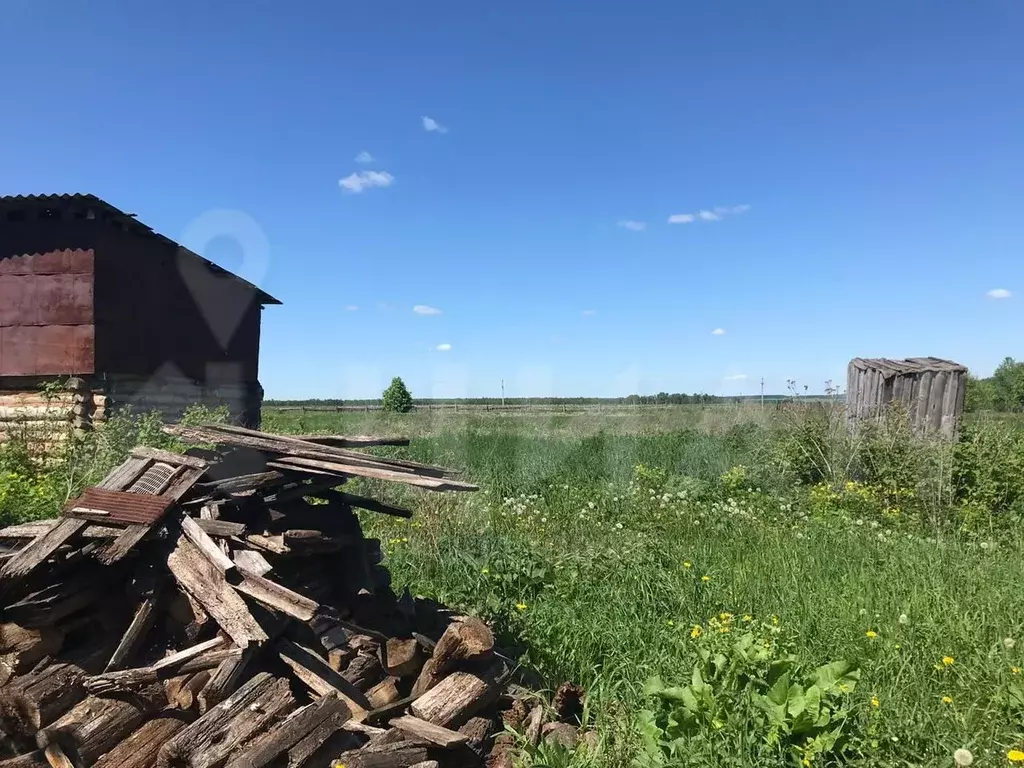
(568,703)
(562,734)
(364,671)
(458,697)
(34,759)
(478,731)
(402,657)
(139,750)
(330,711)
(313,672)
(534,723)
(276,596)
(466,639)
(384,692)
(322,744)
(427,731)
(402,754)
(224,680)
(210,740)
(195,659)
(21,648)
(133,637)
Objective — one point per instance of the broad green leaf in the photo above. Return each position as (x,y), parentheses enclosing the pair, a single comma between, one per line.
(830,677)
(779,692)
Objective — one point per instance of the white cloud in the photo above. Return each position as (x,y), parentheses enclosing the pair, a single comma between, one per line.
(681,218)
(735,377)
(589,312)
(352,308)
(432,126)
(364,157)
(635,226)
(718,332)
(444,347)
(999,293)
(357,182)
(423,309)
(709,216)
(740,208)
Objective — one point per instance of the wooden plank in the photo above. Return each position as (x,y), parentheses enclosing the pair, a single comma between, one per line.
(167,457)
(435,734)
(369,504)
(252,561)
(317,675)
(353,441)
(267,748)
(170,666)
(210,589)
(377,473)
(29,558)
(221,528)
(130,643)
(210,550)
(275,596)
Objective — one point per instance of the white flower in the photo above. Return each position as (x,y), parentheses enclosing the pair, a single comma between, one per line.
(963,757)
(543,519)
(619,526)
(874,523)
(984,545)
(860,522)
(863,611)
(1009,643)
(904,619)
(591,504)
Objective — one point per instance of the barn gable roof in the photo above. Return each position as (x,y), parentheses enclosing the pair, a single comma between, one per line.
(910,365)
(88,206)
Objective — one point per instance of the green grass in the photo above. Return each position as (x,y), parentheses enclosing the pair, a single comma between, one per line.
(597,567)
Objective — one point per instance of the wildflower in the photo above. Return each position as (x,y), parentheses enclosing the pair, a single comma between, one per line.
(1009,643)
(485,571)
(747,617)
(1015,756)
(1015,670)
(875,702)
(871,634)
(904,619)
(619,526)
(725,617)
(984,545)
(705,579)
(775,619)
(863,611)
(520,606)
(947,661)
(963,757)
(687,564)
(947,700)
(670,623)
(696,631)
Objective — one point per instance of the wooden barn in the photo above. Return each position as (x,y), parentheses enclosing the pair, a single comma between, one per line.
(90,294)
(931,390)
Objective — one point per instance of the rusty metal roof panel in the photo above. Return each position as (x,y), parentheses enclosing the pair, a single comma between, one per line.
(118,507)
(47,350)
(60,262)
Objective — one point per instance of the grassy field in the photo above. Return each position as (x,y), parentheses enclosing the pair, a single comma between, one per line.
(617,548)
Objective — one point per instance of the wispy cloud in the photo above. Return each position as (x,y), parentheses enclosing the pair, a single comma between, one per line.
(634,226)
(357,182)
(423,309)
(735,377)
(352,308)
(718,332)
(364,157)
(432,126)
(999,293)
(588,312)
(681,218)
(444,347)
(716,214)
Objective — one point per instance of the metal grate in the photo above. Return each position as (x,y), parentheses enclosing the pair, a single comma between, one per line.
(154,481)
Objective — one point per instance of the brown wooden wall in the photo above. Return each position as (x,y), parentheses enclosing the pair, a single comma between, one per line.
(933,399)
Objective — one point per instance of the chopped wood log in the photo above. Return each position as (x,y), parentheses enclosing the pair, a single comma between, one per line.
(403,754)
(56,757)
(29,760)
(207,585)
(385,713)
(95,726)
(466,639)
(384,692)
(210,550)
(221,528)
(184,662)
(364,671)
(184,693)
(305,541)
(502,751)
(325,742)
(435,734)
(458,697)
(21,648)
(224,680)
(252,561)
(275,596)
(313,672)
(402,657)
(329,711)
(210,740)
(534,723)
(140,749)
(339,658)
(477,731)
(131,642)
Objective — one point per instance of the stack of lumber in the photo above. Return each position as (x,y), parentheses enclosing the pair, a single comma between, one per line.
(223,608)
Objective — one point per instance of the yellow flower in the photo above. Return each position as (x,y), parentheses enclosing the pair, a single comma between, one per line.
(696,631)
(1015,756)
(725,617)
(520,606)
(875,702)
(871,634)
(485,571)
(747,617)
(687,564)
(705,579)
(947,700)
(947,661)
(775,619)
(671,623)
(1015,670)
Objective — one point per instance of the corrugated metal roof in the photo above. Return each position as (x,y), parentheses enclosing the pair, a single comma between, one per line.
(135,224)
(890,367)
(118,507)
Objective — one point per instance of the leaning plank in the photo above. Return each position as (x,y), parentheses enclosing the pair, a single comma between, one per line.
(372,505)
(213,553)
(275,596)
(435,734)
(210,589)
(224,680)
(167,457)
(143,620)
(317,675)
(378,473)
(291,731)
(457,698)
(139,750)
(353,441)
(210,740)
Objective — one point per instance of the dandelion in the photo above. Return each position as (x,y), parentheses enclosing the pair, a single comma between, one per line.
(747,617)
(687,564)
(485,571)
(696,631)
(670,623)
(871,634)
(1014,670)
(520,607)
(875,702)
(948,661)
(1009,643)
(963,757)
(775,619)
(1015,756)
(705,579)
(947,700)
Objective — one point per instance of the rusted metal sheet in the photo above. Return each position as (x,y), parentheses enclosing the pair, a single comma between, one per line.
(45,300)
(118,507)
(63,262)
(47,350)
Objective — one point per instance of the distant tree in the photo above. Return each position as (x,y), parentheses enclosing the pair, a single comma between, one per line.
(979,394)
(396,397)
(1008,386)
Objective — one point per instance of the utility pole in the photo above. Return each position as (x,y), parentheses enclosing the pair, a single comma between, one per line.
(502,393)
(762,393)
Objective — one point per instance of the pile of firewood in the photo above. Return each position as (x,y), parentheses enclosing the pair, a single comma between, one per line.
(222,607)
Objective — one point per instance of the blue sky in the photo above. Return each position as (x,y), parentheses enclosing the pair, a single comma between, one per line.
(860,167)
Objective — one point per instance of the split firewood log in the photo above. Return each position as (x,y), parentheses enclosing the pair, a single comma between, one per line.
(458,697)
(139,750)
(466,640)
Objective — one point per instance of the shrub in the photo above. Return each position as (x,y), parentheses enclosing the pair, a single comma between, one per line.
(397,398)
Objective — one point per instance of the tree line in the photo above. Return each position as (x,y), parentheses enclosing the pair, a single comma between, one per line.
(1002,391)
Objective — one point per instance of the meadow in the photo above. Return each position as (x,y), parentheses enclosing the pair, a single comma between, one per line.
(734,587)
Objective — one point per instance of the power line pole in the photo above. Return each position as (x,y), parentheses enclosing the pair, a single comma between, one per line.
(502,393)
(762,393)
